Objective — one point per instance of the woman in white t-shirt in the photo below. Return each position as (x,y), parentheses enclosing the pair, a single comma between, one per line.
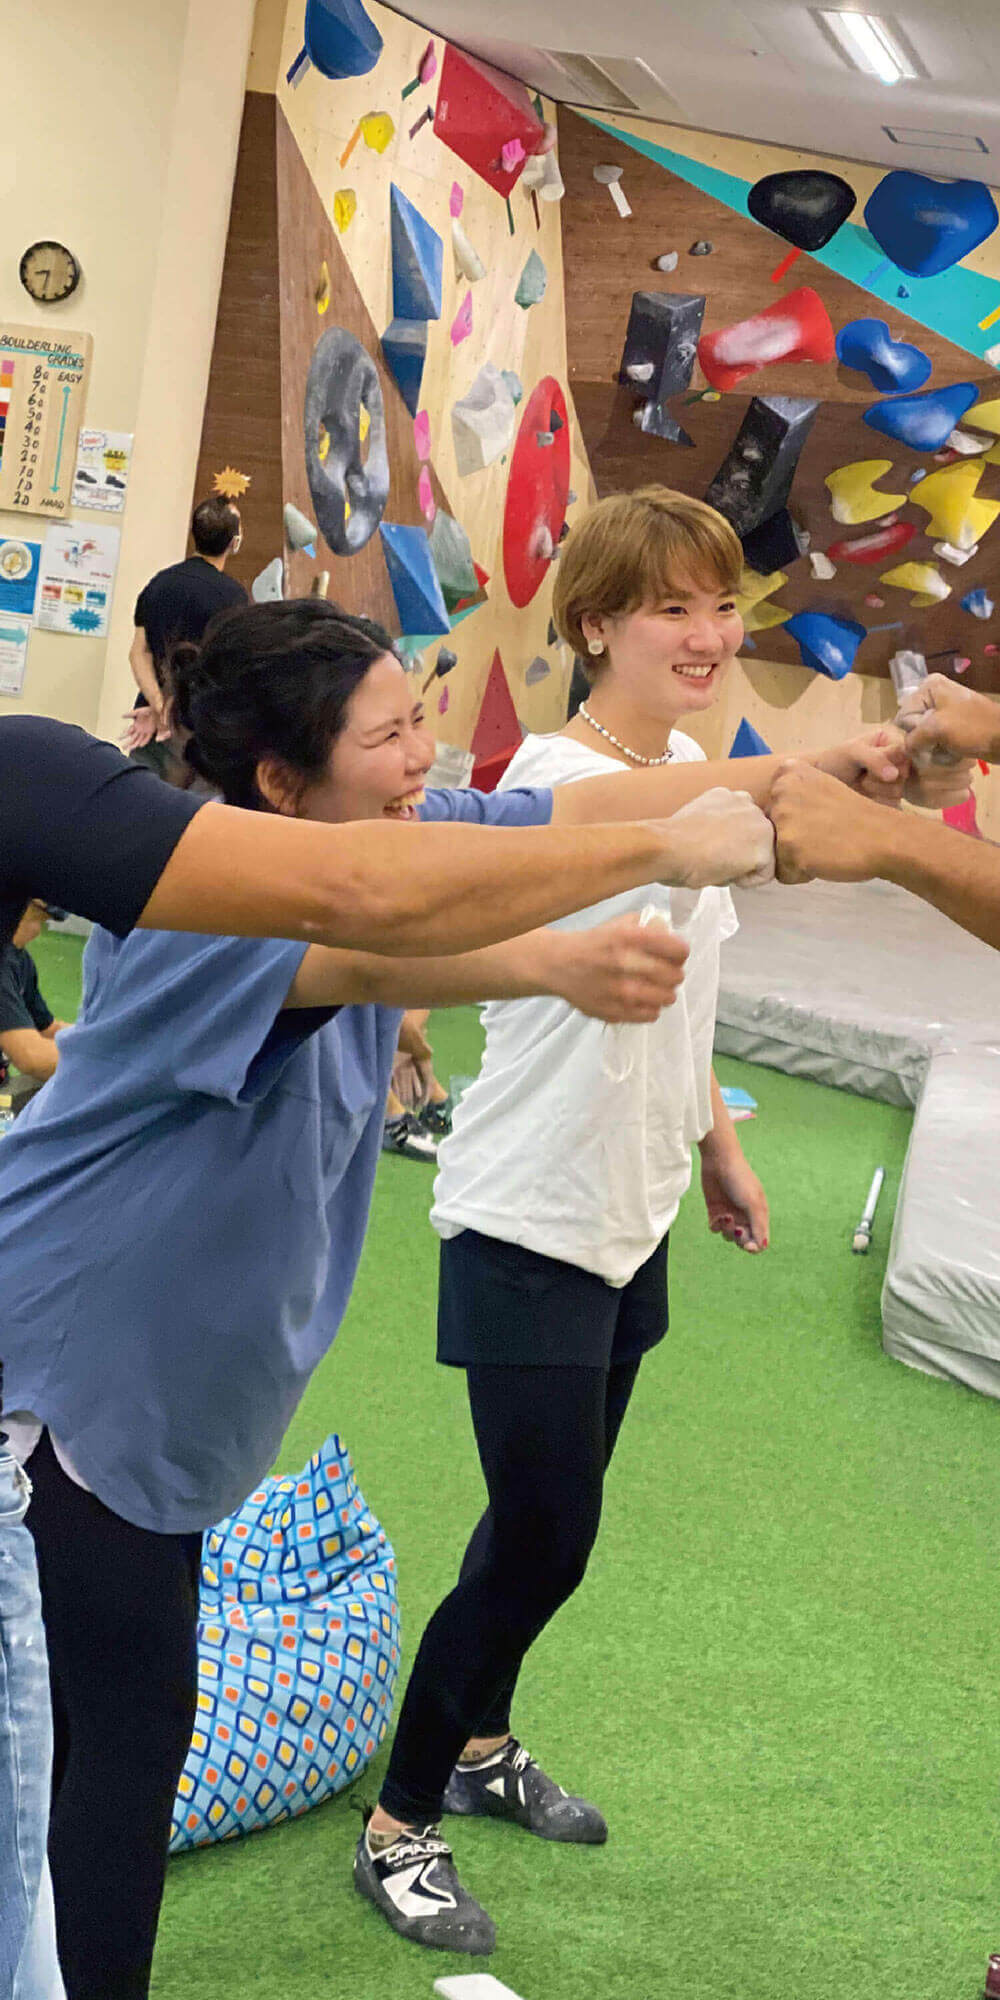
(568,1160)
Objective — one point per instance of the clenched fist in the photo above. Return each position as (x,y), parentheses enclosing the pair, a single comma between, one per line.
(948,721)
(622,971)
(721,838)
(825,829)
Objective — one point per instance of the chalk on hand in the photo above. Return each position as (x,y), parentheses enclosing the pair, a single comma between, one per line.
(473,1986)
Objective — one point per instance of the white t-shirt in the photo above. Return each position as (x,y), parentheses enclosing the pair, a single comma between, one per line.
(548,1152)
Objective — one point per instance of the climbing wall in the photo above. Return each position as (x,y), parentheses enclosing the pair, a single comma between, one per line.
(429,451)
(805,343)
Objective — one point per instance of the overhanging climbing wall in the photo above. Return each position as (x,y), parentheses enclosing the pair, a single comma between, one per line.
(427,436)
(839,404)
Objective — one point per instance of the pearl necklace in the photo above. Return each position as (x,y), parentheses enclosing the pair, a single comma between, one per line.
(634,755)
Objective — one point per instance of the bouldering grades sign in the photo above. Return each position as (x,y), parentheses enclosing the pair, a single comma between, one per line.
(43,384)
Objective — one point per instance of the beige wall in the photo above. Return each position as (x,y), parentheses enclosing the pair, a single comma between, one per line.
(120,137)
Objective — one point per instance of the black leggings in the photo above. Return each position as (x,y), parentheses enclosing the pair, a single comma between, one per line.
(120,1606)
(545,1438)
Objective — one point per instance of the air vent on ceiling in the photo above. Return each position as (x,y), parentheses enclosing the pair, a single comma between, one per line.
(943,142)
(624,84)
(611,83)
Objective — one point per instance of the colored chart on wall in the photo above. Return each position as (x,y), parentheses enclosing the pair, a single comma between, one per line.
(43,386)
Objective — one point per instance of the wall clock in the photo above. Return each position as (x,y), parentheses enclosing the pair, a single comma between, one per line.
(49,273)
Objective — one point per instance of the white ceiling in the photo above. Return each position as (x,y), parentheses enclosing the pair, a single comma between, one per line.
(763,70)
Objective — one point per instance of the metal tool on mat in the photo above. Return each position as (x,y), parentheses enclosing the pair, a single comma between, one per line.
(863,1232)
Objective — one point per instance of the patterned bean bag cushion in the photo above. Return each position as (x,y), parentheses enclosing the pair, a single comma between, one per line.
(298,1652)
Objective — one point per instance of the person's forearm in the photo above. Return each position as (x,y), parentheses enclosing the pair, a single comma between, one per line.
(657,794)
(721,1140)
(514,970)
(958,875)
(391,889)
(144,673)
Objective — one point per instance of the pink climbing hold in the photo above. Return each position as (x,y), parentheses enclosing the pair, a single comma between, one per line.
(963,817)
(422,435)
(511,155)
(961,664)
(456,201)
(443,700)
(425,494)
(427,67)
(874,601)
(461,325)
(795,328)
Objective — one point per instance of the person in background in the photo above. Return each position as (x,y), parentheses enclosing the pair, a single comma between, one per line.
(176,605)
(418,1110)
(28,1028)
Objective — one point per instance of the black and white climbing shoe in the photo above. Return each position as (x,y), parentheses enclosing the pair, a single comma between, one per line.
(510,1785)
(415,1885)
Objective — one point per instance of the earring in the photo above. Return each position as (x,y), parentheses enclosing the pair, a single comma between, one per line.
(595,646)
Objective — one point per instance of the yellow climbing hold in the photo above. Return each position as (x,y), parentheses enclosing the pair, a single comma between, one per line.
(949,497)
(756,615)
(377,129)
(852,492)
(365,424)
(323,288)
(324,444)
(986,417)
(923,578)
(345,207)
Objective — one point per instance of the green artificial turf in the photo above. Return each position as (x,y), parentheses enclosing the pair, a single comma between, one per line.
(778,1679)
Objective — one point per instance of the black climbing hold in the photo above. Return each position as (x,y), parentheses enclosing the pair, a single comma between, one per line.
(806,206)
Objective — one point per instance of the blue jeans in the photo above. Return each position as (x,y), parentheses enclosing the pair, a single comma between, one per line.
(29,1967)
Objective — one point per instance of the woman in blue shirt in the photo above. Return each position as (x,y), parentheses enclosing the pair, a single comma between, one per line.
(183,1207)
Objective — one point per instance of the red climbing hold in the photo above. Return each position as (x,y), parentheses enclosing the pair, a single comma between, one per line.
(875,547)
(497,733)
(537,493)
(479,112)
(795,328)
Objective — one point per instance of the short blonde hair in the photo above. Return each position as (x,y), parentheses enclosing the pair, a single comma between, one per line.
(640,548)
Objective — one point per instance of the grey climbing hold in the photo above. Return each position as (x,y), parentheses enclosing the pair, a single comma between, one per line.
(545,437)
(514,385)
(539,670)
(300,532)
(703,248)
(269,586)
(342,381)
(668,261)
(606,175)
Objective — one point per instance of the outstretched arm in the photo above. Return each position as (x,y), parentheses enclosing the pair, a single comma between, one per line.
(615,972)
(876,757)
(824,831)
(372,886)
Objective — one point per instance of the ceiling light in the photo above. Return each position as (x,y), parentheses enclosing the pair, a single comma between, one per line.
(869,43)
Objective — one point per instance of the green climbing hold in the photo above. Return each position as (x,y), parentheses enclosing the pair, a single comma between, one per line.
(532,282)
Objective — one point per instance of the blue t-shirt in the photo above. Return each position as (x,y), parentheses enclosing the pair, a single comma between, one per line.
(183,1206)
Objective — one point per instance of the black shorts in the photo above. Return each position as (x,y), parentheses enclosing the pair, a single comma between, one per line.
(498,1303)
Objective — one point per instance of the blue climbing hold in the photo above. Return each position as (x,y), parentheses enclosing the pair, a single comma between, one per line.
(925,226)
(404,351)
(414,580)
(924,422)
(340,40)
(866,346)
(902,291)
(979,602)
(417,261)
(827,644)
(747,742)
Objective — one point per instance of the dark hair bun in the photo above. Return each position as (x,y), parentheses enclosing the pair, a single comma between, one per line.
(269,681)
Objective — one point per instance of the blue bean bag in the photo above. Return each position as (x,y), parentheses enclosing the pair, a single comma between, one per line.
(298,1653)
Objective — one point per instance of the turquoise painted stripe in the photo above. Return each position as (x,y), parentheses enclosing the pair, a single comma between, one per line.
(950,305)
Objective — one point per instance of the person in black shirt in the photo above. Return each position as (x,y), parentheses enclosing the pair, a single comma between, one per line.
(28,1027)
(176,605)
